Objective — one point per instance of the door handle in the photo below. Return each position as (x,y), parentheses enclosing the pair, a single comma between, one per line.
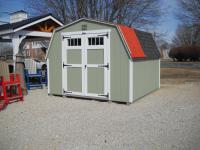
(85,66)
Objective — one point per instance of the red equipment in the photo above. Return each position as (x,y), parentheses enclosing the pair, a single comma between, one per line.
(10,91)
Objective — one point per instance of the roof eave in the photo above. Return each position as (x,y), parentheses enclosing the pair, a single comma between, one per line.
(6,32)
(101,22)
(124,41)
(38,21)
(9,31)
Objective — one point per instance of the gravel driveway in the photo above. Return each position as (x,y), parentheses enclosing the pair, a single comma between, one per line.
(166,119)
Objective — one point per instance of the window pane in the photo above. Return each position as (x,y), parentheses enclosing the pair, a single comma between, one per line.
(101,40)
(97,41)
(93,41)
(69,43)
(79,42)
(72,42)
(75,42)
(89,41)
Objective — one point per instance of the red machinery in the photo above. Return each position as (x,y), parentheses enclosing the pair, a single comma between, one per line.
(10,91)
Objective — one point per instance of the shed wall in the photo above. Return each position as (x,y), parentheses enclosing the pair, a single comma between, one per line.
(119,61)
(145,77)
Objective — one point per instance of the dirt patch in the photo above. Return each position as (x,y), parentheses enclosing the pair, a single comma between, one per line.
(179,75)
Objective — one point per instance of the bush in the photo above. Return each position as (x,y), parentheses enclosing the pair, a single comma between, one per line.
(185,53)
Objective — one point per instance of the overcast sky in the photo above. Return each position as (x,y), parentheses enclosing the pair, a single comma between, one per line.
(167,24)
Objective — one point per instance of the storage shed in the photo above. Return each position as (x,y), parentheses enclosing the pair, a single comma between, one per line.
(94,59)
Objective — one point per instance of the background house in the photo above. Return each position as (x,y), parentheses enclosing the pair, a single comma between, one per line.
(29,36)
(164,48)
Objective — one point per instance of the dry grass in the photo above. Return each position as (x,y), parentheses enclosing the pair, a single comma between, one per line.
(179,75)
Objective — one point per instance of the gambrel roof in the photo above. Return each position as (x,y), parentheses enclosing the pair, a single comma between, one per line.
(139,44)
(148,44)
(132,41)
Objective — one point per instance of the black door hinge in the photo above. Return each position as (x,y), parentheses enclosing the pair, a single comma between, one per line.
(105,95)
(67,37)
(64,65)
(66,91)
(107,35)
(106,66)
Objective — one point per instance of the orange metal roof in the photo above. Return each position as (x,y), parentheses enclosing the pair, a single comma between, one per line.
(132,41)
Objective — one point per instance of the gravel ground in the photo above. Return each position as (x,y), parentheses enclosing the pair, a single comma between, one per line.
(172,64)
(166,119)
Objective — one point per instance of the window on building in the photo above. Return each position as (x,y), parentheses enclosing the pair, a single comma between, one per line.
(74,42)
(95,41)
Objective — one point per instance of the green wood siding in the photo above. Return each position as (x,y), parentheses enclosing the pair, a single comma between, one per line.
(95,78)
(74,56)
(95,56)
(55,65)
(74,79)
(145,77)
(119,61)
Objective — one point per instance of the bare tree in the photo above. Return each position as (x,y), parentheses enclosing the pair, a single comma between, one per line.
(130,12)
(186,36)
(188,33)
(189,12)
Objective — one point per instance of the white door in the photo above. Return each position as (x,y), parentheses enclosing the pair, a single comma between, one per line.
(86,63)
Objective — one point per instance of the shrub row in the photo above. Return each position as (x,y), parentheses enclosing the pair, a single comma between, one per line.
(185,53)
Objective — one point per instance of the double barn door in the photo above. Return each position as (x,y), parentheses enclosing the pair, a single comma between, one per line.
(86,63)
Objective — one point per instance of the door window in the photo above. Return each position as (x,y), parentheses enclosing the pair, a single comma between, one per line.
(95,41)
(74,42)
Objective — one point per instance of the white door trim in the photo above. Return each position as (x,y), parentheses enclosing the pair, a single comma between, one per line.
(65,62)
(84,47)
(86,32)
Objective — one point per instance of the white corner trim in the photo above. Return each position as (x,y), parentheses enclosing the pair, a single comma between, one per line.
(130,81)
(50,44)
(109,62)
(38,21)
(124,41)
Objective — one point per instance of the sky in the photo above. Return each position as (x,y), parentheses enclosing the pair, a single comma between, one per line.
(168,23)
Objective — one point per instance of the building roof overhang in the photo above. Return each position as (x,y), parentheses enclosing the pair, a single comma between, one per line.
(11,28)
